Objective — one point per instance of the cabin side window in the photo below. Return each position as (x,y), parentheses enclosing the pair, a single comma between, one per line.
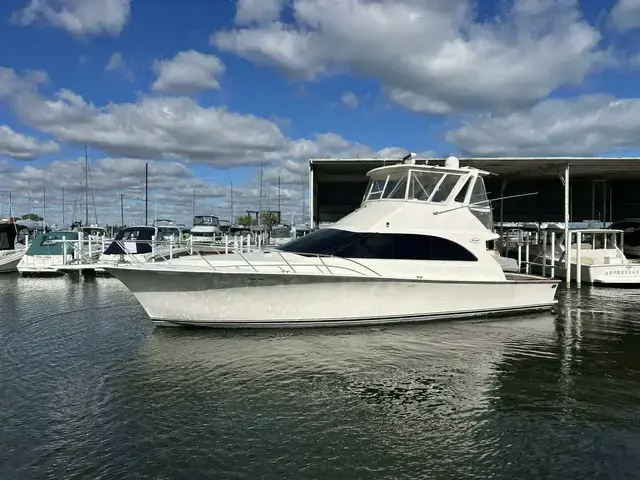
(341,243)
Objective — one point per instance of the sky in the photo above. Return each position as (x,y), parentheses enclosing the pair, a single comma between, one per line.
(210,93)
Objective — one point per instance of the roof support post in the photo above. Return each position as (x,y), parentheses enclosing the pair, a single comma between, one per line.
(567,237)
(502,246)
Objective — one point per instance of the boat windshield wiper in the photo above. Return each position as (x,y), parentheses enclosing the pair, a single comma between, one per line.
(477,204)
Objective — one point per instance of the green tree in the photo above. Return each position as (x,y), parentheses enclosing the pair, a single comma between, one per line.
(269,218)
(31,216)
(244,220)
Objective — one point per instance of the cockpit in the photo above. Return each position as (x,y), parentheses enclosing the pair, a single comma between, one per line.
(432,185)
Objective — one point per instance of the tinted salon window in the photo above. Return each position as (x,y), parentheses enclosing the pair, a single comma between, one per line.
(341,243)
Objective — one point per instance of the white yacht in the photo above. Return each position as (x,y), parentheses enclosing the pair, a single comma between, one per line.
(205,228)
(416,249)
(11,252)
(595,252)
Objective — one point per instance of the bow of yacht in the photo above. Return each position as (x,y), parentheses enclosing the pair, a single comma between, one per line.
(416,249)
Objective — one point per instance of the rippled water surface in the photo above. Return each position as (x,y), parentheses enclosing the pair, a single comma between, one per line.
(89,389)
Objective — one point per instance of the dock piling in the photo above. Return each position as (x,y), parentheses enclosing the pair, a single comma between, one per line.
(544,253)
(578,258)
(553,254)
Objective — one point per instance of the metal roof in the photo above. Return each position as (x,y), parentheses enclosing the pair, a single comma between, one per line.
(354,169)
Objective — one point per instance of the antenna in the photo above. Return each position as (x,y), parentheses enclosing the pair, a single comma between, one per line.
(484,201)
(146,193)
(408,159)
(261,172)
(122,210)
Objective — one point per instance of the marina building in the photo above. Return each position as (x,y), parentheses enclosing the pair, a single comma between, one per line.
(525,189)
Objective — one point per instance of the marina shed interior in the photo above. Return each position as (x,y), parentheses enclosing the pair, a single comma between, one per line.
(600,189)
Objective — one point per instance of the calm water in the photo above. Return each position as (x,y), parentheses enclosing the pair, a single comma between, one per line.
(89,389)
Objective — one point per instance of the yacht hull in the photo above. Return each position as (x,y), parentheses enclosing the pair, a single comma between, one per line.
(614,275)
(215,299)
(9,261)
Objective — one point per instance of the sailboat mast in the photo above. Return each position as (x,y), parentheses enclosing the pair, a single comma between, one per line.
(63,207)
(261,173)
(146,194)
(232,220)
(193,206)
(86,186)
(44,207)
(279,214)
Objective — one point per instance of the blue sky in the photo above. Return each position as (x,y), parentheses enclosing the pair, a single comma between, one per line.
(207,90)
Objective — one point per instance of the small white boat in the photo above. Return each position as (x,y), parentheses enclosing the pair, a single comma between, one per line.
(11,252)
(595,252)
(417,249)
(205,229)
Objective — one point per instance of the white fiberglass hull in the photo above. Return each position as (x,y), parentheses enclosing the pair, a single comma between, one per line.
(42,264)
(9,260)
(244,299)
(627,274)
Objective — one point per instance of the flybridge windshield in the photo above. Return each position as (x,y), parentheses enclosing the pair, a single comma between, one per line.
(425,185)
(207,221)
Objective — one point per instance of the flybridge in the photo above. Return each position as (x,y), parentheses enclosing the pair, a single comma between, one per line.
(433,184)
(448,186)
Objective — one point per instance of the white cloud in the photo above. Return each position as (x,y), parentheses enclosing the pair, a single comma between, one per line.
(163,127)
(117,63)
(188,72)
(350,100)
(80,18)
(258,10)
(625,15)
(589,125)
(22,147)
(431,56)
(12,83)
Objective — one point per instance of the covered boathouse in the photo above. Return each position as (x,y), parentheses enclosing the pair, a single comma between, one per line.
(599,189)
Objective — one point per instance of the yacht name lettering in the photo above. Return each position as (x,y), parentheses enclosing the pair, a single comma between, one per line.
(630,271)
